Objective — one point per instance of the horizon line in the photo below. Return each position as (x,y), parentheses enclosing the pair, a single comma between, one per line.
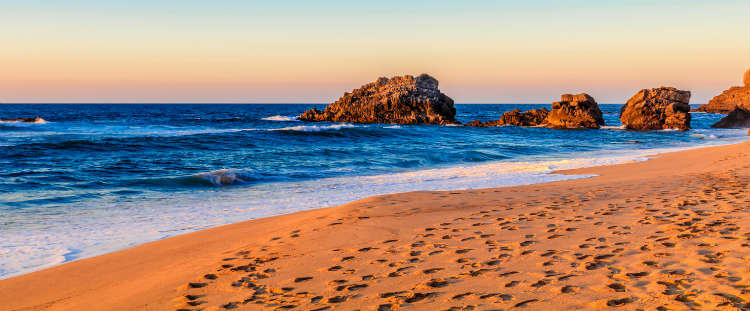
(249,103)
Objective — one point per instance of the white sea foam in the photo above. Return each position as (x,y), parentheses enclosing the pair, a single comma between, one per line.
(392,127)
(280,118)
(704,136)
(228,177)
(37,120)
(315,128)
(609,127)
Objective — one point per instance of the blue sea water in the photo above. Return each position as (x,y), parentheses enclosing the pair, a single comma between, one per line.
(97,178)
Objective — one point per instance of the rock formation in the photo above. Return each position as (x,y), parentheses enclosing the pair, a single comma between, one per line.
(737,118)
(736,96)
(532,117)
(401,100)
(574,111)
(656,109)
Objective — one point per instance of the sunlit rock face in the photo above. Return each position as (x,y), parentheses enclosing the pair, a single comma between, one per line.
(736,96)
(401,100)
(574,111)
(657,109)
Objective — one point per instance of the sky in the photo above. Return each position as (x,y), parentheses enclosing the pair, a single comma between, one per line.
(288,51)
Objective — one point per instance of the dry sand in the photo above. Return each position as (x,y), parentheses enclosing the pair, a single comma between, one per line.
(666,234)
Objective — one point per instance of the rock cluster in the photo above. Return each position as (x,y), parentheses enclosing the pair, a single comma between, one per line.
(737,118)
(533,117)
(401,100)
(417,100)
(572,111)
(736,96)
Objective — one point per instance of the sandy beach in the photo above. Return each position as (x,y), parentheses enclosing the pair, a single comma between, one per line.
(670,233)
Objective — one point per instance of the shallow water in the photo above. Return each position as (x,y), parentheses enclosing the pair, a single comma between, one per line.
(97,178)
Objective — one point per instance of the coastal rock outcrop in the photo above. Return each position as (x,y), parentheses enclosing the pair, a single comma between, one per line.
(574,111)
(737,118)
(736,96)
(532,117)
(656,109)
(400,100)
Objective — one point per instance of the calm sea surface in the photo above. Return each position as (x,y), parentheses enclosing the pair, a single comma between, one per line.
(98,178)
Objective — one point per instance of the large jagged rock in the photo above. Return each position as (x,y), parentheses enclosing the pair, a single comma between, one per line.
(574,111)
(401,100)
(656,109)
(737,118)
(736,96)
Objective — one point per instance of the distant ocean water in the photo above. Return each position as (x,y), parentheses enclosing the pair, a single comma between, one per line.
(98,178)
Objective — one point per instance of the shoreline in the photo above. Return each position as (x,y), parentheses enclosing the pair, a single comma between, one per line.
(506,177)
(144,276)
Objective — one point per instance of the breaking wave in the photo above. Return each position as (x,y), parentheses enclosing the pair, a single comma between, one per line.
(281,118)
(315,128)
(223,177)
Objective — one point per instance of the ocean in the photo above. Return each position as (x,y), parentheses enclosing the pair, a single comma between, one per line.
(96,178)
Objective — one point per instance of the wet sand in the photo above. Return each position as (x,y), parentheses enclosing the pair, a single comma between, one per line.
(670,233)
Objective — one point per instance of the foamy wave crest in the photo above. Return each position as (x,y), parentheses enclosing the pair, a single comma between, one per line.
(609,127)
(704,136)
(36,120)
(280,118)
(392,127)
(315,128)
(228,177)
(223,177)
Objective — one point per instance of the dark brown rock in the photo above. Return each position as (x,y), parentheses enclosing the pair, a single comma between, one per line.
(656,109)
(401,100)
(574,111)
(736,96)
(737,118)
(533,117)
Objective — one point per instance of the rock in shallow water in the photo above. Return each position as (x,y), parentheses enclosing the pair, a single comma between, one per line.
(532,117)
(575,111)
(571,112)
(657,109)
(737,118)
(401,100)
